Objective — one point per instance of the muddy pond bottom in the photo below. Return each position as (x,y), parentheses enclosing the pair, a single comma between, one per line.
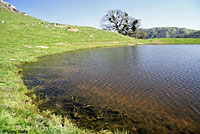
(141,89)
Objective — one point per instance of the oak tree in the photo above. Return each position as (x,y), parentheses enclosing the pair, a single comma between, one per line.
(119,21)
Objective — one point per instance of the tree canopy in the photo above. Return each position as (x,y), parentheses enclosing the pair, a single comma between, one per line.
(119,21)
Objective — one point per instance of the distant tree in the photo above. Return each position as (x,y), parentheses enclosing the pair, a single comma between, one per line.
(119,21)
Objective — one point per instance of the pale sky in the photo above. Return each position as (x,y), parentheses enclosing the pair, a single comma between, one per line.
(153,13)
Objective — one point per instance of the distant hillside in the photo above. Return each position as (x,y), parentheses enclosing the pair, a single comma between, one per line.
(194,35)
(167,32)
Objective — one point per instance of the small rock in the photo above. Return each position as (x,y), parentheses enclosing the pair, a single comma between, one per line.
(139,43)
(73,30)
(3,22)
(1,84)
(13,7)
(55,24)
(28,46)
(91,36)
(12,59)
(42,47)
(66,26)
(24,14)
(59,43)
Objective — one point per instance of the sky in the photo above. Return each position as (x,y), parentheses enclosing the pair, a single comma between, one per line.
(153,13)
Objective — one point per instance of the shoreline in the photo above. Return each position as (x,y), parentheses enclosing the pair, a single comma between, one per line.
(25,97)
(24,39)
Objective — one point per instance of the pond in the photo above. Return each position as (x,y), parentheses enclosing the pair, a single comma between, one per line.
(139,89)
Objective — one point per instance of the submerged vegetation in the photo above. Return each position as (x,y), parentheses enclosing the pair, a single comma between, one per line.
(96,118)
(23,39)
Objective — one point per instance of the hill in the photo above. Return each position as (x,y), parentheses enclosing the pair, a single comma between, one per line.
(24,39)
(193,35)
(168,32)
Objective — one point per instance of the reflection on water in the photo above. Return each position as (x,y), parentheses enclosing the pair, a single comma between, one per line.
(142,88)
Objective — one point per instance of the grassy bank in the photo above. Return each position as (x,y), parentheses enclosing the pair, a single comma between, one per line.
(23,39)
(168,41)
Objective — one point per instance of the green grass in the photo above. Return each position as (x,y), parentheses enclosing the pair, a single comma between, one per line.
(20,37)
(168,41)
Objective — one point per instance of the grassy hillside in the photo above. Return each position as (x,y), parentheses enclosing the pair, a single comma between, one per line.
(194,35)
(168,32)
(23,39)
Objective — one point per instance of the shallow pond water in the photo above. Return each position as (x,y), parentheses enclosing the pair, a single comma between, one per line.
(139,89)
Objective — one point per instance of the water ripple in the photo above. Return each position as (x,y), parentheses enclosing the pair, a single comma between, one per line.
(155,84)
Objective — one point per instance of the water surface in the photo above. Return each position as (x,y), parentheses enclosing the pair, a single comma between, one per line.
(140,88)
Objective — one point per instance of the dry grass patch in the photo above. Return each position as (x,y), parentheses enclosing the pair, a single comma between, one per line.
(62,44)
